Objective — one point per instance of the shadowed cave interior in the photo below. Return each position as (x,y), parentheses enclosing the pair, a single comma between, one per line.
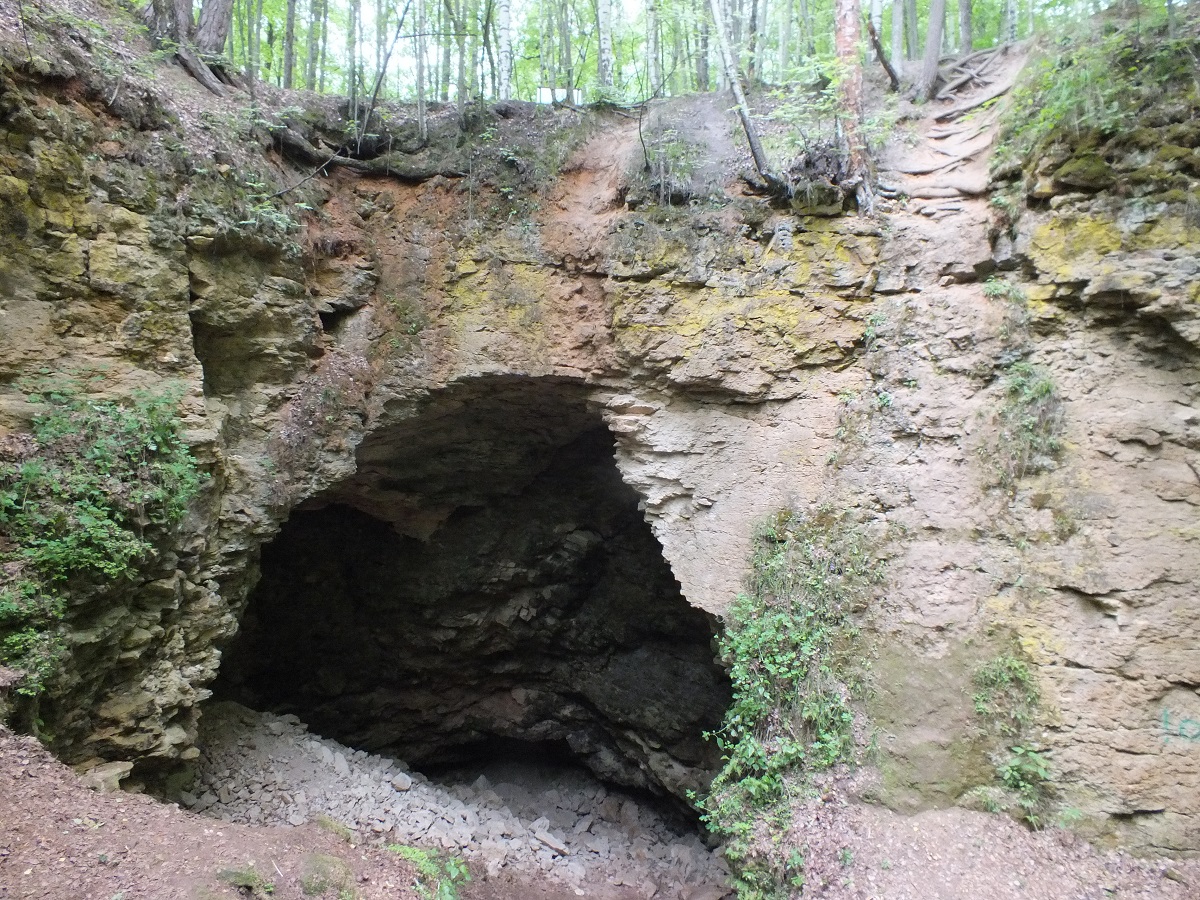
(485,587)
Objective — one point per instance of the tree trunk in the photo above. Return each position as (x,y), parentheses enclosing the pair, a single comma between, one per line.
(847,15)
(471,14)
(785,39)
(314,43)
(877,15)
(422,120)
(1008,22)
(289,44)
(383,13)
(460,76)
(448,27)
(806,19)
(702,77)
(653,76)
(564,49)
(170,22)
(216,20)
(323,67)
(729,66)
(352,57)
(965,39)
(604,58)
(253,68)
(898,36)
(912,40)
(927,83)
(504,39)
(486,33)
(752,73)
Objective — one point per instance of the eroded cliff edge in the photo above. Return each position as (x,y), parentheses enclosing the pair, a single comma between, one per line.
(741,358)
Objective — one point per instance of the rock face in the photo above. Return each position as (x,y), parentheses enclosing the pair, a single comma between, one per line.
(430,406)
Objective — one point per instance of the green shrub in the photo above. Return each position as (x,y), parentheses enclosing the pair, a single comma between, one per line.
(1096,83)
(789,646)
(80,499)
(1007,694)
(1006,700)
(438,874)
(247,881)
(1026,772)
(1031,422)
(997,288)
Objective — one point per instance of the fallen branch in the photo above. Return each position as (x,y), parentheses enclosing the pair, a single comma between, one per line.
(887,66)
(309,177)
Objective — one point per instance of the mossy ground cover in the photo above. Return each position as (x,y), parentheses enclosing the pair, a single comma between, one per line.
(1118,86)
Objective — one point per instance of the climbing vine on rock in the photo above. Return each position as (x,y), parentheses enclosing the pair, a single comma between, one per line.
(790,645)
(81,497)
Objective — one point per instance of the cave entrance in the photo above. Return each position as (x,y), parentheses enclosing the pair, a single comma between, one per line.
(485,588)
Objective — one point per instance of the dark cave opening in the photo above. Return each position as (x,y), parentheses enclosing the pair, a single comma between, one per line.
(485,588)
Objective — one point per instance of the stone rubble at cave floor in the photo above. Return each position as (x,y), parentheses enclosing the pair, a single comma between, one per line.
(264,769)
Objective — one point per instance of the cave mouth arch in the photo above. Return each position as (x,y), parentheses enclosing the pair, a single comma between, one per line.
(486,579)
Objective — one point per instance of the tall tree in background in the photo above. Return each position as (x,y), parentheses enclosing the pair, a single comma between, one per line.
(847,33)
(352,56)
(170,23)
(422,120)
(729,67)
(927,82)
(753,75)
(912,40)
(965,38)
(1008,22)
(785,38)
(289,44)
(653,54)
(505,51)
(604,58)
(898,36)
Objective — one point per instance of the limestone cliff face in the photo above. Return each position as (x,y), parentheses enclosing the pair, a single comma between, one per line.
(741,360)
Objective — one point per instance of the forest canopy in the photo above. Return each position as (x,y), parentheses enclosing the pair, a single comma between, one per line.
(577,51)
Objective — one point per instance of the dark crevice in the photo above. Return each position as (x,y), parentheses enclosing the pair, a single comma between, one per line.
(486,585)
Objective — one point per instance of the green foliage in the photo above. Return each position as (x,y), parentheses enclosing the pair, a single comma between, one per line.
(247,880)
(1031,422)
(1007,695)
(788,644)
(439,875)
(1026,772)
(78,502)
(1006,700)
(1097,82)
(411,319)
(809,108)
(671,162)
(998,288)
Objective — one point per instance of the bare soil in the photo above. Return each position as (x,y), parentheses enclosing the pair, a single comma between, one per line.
(63,841)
